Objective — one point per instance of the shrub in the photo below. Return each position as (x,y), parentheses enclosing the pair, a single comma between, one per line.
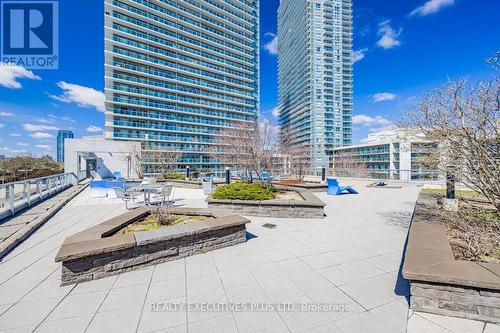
(245,191)
(173,175)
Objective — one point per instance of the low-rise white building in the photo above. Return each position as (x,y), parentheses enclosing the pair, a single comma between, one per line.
(391,154)
(100,158)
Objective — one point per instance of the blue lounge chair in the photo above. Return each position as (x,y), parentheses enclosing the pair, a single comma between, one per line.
(335,189)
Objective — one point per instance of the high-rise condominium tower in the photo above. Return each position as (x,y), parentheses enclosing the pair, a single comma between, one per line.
(61,136)
(178,72)
(315,75)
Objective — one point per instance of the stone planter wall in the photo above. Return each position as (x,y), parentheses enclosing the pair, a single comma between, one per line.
(465,302)
(189,183)
(91,255)
(310,207)
(312,187)
(439,283)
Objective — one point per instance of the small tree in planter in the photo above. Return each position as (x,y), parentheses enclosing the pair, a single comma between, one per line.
(248,147)
(296,156)
(159,161)
(464,119)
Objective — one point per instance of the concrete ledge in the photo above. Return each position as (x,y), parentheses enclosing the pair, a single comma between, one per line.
(310,207)
(19,236)
(438,280)
(98,252)
(188,183)
(313,187)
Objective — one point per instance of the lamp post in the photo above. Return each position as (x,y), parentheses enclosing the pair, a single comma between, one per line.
(228,175)
(129,163)
(187,172)
(323,173)
(450,203)
(450,182)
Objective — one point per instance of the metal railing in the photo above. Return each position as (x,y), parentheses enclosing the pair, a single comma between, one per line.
(430,176)
(18,195)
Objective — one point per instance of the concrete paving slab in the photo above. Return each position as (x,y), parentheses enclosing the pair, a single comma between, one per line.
(362,238)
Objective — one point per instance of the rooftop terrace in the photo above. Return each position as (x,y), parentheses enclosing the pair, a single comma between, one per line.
(351,259)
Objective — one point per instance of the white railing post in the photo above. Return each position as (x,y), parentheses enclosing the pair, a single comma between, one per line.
(28,197)
(25,192)
(10,197)
(48,182)
(39,189)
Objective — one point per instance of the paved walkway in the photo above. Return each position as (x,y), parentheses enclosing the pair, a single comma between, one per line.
(350,259)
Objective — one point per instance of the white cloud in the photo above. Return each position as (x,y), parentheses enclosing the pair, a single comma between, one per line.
(84,97)
(22,144)
(41,135)
(6,114)
(391,126)
(366,120)
(275,112)
(68,119)
(359,54)
(389,37)
(14,151)
(431,7)
(384,96)
(2,125)
(36,127)
(15,134)
(272,45)
(9,75)
(43,146)
(45,121)
(94,129)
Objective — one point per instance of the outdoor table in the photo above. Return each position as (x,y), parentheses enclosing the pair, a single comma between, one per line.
(147,190)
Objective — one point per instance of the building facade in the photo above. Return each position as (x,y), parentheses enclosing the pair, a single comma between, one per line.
(61,136)
(178,72)
(315,77)
(99,158)
(390,154)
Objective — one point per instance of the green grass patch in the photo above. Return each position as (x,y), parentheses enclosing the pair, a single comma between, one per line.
(458,193)
(174,175)
(485,216)
(245,191)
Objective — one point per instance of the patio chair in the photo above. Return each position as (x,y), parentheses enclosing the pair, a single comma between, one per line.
(125,196)
(165,194)
(335,189)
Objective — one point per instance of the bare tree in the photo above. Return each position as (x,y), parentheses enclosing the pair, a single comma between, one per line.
(136,161)
(464,119)
(162,161)
(347,163)
(158,161)
(247,147)
(296,156)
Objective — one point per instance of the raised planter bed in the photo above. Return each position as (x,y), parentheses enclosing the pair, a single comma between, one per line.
(188,183)
(312,187)
(309,207)
(439,283)
(100,251)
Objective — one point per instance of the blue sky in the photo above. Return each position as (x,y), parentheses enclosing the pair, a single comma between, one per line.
(403,48)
